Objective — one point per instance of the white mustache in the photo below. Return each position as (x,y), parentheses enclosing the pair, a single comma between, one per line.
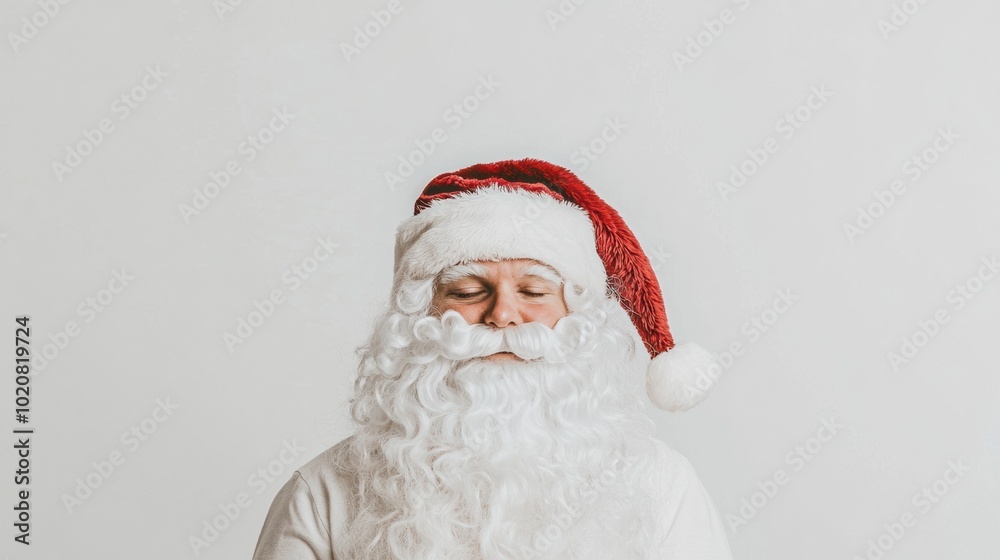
(457,340)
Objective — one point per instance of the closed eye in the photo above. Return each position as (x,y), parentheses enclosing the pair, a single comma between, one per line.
(466,295)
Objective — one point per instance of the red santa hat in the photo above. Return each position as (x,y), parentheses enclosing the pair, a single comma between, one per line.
(536,210)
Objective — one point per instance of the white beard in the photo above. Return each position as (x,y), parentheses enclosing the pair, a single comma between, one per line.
(461,458)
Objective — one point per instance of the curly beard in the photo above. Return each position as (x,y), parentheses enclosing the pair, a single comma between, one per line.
(458,457)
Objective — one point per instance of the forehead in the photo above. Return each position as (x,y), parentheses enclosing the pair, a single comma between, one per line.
(509,268)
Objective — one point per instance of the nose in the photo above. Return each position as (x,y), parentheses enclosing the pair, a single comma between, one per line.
(503,310)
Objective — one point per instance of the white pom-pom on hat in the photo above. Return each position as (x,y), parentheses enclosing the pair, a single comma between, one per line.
(681,378)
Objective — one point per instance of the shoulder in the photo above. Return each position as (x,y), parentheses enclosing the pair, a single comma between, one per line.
(689,519)
(327,467)
(329,482)
(672,474)
(669,468)
(309,512)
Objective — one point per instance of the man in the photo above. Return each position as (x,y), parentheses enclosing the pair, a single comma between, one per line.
(499,400)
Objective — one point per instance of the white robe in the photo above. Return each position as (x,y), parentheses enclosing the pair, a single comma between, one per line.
(308,517)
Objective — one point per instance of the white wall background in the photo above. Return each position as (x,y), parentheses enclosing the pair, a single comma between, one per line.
(720,259)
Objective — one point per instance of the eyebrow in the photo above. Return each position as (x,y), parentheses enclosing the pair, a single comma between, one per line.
(459,271)
(544,272)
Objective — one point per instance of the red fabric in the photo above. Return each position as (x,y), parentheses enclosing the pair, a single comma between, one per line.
(626,264)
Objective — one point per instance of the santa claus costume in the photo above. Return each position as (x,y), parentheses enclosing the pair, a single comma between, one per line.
(552,456)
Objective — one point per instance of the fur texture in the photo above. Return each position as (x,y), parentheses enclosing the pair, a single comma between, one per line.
(496,223)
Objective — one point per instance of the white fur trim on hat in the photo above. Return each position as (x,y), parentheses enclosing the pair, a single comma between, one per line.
(494,223)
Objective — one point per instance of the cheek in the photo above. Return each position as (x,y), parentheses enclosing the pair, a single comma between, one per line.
(470,313)
(438,302)
(553,313)
(473,314)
